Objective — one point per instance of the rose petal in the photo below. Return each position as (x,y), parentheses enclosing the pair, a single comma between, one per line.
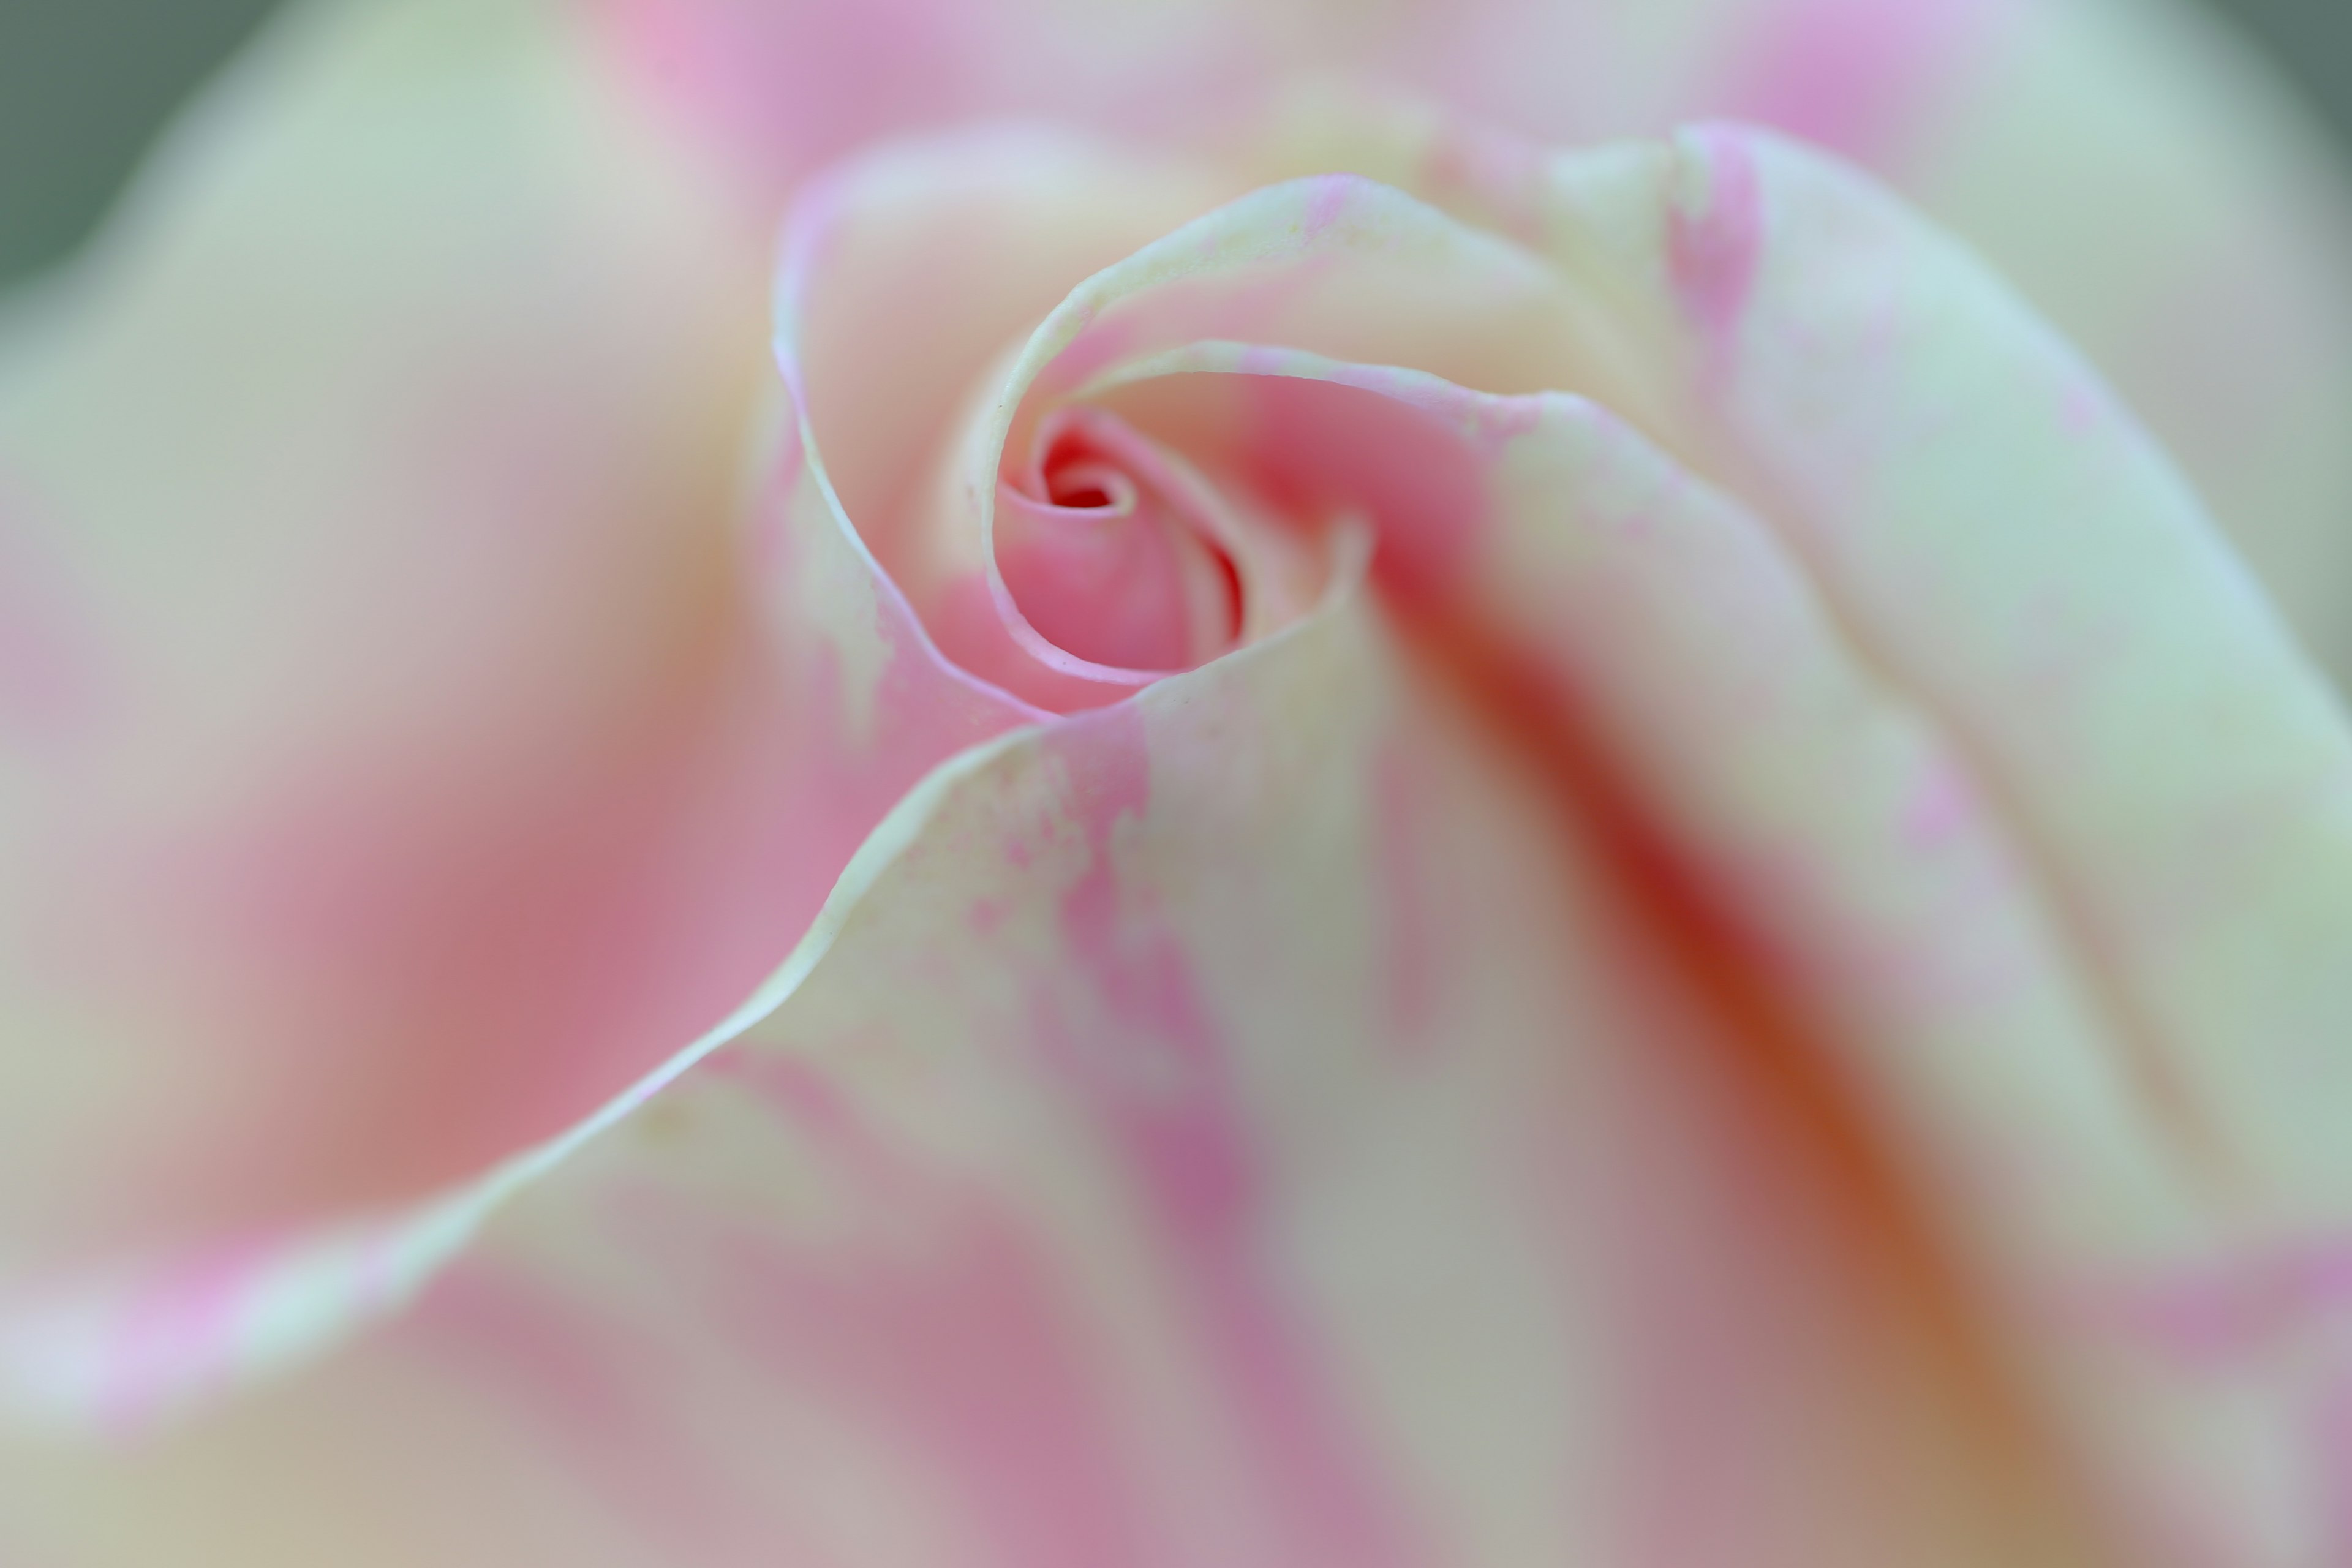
(2000,538)
(2012,554)
(1115,553)
(1126,1105)
(1318,1504)
(2128,163)
(881,357)
(401,766)
(2210,276)
(1377,1190)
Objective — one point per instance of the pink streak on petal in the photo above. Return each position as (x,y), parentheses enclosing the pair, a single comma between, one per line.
(1852,75)
(1714,251)
(1327,206)
(1154,1073)
(186,1320)
(963,1350)
(2218,1315)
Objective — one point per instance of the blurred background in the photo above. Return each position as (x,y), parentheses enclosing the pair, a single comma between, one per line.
(85,84)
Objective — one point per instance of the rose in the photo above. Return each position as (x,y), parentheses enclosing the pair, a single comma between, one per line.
(1001,1240)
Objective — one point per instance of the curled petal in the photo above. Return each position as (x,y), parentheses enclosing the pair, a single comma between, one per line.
(1840,813)
(393,772)
(1114,553)
(423,740)
(1378,1190)
(1996,540)
(2128,163)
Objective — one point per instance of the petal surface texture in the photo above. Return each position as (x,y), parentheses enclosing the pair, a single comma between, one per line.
(1747,971)
(1371,1191)
(1493,857)
(2128,163)
(426,736)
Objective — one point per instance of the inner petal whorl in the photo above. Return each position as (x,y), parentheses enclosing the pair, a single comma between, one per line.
(1114,550)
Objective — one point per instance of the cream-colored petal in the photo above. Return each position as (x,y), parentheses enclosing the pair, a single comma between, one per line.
(1377,1189)
(433,731)
(2130,164)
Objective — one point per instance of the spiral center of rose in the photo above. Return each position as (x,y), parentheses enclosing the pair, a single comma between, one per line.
(1114,551)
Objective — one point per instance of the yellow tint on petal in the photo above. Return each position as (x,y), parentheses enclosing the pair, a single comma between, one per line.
(1374,1190)
(1777,982)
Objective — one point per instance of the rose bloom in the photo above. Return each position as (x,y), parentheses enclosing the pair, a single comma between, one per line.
(1131,785)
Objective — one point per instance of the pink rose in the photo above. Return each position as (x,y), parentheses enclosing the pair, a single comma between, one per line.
(1480,854)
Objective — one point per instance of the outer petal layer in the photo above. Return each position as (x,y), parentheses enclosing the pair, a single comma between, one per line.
(1062,1209)
(2127,162)
(416,738)
(1377,1191)
(1681,1003)
(383,770)
(2173,781)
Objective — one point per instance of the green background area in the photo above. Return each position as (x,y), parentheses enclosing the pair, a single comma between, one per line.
(85,84)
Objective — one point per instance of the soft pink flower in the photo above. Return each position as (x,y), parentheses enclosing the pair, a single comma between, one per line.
(1274,809)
